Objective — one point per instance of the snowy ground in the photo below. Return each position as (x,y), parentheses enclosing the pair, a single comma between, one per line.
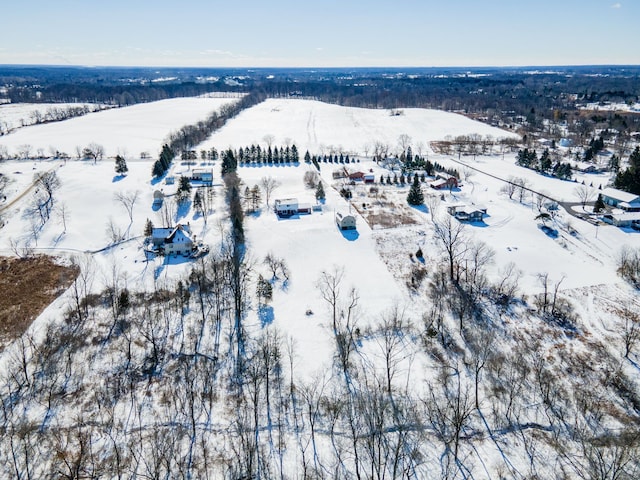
(127,131)
(375,261)
(584,253)
(323,128)
(16,115)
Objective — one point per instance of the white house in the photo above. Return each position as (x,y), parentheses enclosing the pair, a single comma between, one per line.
(177,240)
(345,221)
(285,207)
(624,200)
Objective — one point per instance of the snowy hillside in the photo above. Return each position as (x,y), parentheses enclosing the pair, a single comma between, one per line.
(323,128)
(128,131)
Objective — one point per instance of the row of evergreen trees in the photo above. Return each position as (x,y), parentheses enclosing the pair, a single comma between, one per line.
(164,161)
(544,164)
(275,155)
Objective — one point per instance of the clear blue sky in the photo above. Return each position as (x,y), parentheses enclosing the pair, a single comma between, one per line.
(325,33)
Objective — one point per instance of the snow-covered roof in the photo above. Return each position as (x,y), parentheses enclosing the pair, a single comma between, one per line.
(180,234)
(620,195)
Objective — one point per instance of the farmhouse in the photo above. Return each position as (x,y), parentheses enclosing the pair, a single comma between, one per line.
(176,240)
(286,207)
(204,175)
(443,182)
(466,213)
(624,200)
(345,221)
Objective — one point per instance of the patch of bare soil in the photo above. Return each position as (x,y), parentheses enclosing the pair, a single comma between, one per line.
(382,213)
(28,286)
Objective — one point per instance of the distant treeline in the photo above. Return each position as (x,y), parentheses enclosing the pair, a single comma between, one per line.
(119,95)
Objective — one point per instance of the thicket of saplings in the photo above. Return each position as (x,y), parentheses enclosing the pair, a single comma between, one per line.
(175,383)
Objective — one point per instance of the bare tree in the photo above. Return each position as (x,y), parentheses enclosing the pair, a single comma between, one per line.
(585,194)
(450,235)
(404,141)
(510,187)
(269,139)
(128,201)
(269,184)
(63,212)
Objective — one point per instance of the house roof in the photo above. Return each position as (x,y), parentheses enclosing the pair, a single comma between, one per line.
(620,195)
(180,234)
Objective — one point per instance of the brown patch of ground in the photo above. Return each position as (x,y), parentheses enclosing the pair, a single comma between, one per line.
(28,285)
(381,213)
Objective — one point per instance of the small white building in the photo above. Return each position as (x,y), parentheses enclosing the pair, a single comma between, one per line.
(345,221)
(158,198)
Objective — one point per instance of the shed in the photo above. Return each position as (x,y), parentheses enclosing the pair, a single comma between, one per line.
(158,198)
(345,221)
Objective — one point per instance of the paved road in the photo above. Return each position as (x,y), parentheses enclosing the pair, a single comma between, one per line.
(566,205)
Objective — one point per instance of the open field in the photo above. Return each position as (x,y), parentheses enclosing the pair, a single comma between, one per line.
(28,285)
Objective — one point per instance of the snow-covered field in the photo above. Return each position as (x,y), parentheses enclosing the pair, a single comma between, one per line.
(323,128)
(127,131)
(377,262)
(311,243)
(16,115)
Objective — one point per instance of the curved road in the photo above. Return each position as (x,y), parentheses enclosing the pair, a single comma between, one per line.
(566,205)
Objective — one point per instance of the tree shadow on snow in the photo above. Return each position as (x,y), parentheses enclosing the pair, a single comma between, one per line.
(266,315)
(183,209)
(421,208)
(117,178)
(548,231)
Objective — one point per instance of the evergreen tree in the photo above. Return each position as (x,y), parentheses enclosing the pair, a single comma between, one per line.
(320,195)
(148,228)
(415,196)
(545,161)
(256,197)
(307,157)
(264,290)
(198,204)
(599,205)
(121,165)
(184,189)
(229,162)
(295,158)
(158,169)
(166,156)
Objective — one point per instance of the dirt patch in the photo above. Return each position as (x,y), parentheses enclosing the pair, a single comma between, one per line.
(28,285)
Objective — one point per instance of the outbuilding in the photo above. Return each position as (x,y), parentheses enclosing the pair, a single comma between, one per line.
(345,221)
